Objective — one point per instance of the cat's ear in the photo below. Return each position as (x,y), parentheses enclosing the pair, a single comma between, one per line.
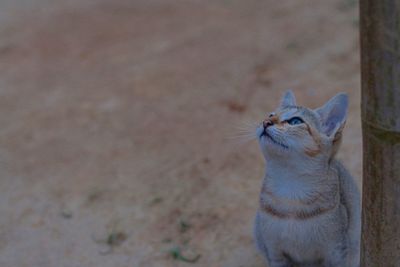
(288,99)
(333,115)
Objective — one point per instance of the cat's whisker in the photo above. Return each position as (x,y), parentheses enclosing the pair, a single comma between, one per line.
(243,132)
(242,138)
(246,125)
(241,141)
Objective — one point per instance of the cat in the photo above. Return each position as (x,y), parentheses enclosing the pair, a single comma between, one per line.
(309,211)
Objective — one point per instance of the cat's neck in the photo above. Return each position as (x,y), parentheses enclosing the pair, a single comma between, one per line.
(295,178)
(312,168)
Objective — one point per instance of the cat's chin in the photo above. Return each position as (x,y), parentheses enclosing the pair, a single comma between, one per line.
(267,140)
(271,150)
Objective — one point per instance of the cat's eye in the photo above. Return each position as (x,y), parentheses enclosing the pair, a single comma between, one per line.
(295,120)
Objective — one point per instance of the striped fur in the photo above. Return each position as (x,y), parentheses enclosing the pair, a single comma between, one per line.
(309,212)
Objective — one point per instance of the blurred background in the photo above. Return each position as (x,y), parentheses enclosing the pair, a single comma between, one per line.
(119,122)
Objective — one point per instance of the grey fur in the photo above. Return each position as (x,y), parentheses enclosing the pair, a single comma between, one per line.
(309,214)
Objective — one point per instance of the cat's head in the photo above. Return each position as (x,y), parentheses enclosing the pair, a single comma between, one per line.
(294,131)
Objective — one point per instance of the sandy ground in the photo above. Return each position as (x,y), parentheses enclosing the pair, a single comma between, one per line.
(117,116)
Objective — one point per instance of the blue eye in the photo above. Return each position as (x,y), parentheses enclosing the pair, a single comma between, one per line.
(295,120)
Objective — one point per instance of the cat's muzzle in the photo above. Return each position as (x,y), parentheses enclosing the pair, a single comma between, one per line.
(265,125)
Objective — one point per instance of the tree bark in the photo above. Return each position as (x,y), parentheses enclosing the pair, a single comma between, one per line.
(380,75)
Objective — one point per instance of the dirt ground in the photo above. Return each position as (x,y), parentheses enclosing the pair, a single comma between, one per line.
(117,120)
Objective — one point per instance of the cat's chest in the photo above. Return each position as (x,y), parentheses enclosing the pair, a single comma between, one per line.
(295,228)
(293,188)
(294,192)
(300,238)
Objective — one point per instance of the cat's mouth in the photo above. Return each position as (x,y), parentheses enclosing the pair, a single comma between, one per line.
(265,134)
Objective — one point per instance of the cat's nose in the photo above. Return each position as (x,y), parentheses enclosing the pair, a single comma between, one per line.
(267,123)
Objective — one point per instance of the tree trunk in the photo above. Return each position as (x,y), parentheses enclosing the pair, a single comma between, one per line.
(380,72)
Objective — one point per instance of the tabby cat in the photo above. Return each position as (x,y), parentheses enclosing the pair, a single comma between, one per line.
(309,206)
